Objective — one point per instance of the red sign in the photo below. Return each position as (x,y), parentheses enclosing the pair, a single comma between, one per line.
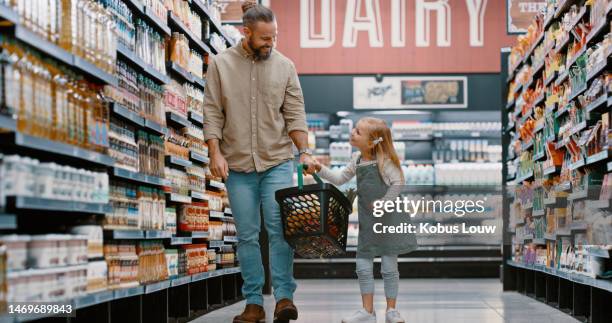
(392,36)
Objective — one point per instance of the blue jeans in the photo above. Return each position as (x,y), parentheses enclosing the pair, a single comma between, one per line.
(247,191)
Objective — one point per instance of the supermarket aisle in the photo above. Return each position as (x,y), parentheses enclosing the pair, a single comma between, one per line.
(420,300)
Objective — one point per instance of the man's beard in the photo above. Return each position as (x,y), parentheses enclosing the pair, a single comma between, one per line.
(259,52)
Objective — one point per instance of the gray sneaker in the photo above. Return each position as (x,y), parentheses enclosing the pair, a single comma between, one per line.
(361,316)
(393,316)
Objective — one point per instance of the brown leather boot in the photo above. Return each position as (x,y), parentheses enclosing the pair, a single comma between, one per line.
(285,310)
(253,313)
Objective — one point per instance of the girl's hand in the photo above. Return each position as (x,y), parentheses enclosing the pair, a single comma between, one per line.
(313,166)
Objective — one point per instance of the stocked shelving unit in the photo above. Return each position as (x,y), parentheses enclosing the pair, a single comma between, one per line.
(460,258)
(556,151)
(173,299)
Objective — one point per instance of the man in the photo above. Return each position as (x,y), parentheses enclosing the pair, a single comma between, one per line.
(254,110)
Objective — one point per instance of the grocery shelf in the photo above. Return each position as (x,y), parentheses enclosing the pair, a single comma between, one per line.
(8,221)
(6,122)
(550,79)
(196,118)
(138,177)
(216,184)
(576,165)
(7,13)
(216,214)
(215,49)
(537,69)
(154,287)
(578,278)
(156,127)
(52,50)
(90,69)
(178,281)
(601,156)
(578,92)
(174,118)
(180,71)
(577,128)
(527,145)
(199,158)
(472,134)
(597,103)
(561,143)
(126,114)
(196,234)
(158,234)
(177,161)
(198,195)
(109,295)
(36,203)
(178,198)
(156,21)
(48,48)
(215,244)
(562,77)
(596,31)
(176,241)
(200,46)
(598,69)
(200,82)
(445,189)
(127,234)
(93,299)
(231,239)
(598,251)
(203,9)
(142,66)
(539,156)
(575,58)
(422,137)
(525,177)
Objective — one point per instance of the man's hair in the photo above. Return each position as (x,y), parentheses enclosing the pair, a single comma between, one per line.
(254,12)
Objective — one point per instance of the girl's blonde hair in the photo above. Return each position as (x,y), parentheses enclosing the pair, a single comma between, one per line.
(379,136)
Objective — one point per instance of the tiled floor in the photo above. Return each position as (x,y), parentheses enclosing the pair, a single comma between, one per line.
(420,301)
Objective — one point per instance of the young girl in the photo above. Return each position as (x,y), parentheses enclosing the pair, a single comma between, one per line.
(379,177)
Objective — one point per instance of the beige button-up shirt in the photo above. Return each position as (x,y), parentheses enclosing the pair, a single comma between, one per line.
(251,106)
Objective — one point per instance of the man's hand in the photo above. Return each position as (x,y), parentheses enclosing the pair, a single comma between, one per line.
(218,165)
(309,163)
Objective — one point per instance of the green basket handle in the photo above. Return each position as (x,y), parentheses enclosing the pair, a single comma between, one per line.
(300,174)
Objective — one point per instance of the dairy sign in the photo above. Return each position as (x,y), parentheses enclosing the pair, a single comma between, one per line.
(392,36)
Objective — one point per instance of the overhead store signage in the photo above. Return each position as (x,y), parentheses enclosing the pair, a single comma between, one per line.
(392,36)
(521,14)
(440,92)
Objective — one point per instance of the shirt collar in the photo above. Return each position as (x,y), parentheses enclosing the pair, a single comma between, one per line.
(243,52)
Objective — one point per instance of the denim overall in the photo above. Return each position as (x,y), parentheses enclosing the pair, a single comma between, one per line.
(371,187)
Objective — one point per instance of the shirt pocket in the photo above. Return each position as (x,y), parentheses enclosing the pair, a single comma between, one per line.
(274,94)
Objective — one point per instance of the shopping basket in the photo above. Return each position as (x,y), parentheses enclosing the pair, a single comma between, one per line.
(315,218)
